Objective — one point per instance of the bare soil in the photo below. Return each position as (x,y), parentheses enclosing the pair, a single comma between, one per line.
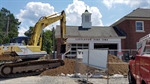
(70,67)
(117,66)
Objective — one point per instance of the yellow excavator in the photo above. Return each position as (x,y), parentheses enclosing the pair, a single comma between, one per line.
(23,58)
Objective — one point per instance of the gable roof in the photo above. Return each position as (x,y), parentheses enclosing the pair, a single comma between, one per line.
(94,32)
(139,13)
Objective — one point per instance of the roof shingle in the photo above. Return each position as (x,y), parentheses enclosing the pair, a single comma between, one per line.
(95,31)
(140,12)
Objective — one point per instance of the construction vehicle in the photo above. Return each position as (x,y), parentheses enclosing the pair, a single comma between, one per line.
(23,56)
(139,65)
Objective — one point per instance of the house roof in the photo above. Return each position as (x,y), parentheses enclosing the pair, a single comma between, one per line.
(94,32)
(139,13)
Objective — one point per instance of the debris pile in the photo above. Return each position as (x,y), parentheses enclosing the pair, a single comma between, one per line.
(70,67)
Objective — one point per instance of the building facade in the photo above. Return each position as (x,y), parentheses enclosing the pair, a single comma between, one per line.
(122,36)
(135,25)
(87,36)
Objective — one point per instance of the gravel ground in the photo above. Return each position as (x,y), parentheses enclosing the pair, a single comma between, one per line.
(111,81)
(59,80)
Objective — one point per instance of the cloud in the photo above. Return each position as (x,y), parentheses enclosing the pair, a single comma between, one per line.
(131,3)
(75,10)
(22,30)
(34,10)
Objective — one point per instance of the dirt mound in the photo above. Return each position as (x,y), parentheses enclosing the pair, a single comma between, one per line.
(113,58)
(117,66)
(70,67)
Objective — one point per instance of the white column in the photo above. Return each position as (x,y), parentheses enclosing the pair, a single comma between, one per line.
(119,54)
(119,46)
(91,45)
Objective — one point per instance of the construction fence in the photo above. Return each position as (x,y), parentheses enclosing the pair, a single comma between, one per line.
(124,55)
(115,69)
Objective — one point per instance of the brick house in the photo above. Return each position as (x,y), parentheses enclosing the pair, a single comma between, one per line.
(135,25)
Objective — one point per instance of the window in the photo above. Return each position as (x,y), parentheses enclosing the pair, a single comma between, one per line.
(87,18)
(74,48)
(139,26)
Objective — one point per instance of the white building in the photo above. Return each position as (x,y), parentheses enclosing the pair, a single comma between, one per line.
(87,36)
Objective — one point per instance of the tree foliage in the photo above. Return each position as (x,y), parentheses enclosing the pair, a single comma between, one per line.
(29,32)
(7,19)
(47,41)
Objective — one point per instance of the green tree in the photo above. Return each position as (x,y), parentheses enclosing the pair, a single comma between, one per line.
(6,39)
(29,32)
(1,40)
(47,41)
(7,19)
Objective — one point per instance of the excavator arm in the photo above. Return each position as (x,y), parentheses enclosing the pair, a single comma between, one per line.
(44,22)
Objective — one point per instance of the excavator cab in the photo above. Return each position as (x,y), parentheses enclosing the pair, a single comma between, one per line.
(21,40)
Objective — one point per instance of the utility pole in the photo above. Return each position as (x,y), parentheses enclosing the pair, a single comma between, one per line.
(7,26)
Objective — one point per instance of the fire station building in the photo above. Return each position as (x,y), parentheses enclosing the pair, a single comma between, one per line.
(122,35)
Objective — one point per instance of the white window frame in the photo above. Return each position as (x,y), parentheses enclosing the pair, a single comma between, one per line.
(142,26)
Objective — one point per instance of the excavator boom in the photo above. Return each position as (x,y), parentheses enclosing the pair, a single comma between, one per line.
(44,22)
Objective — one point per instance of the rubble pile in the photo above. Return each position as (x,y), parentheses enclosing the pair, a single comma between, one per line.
(70,67)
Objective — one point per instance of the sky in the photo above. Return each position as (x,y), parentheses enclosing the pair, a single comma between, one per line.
(104,12)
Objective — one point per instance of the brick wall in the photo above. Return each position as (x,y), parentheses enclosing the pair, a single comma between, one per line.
(129,27)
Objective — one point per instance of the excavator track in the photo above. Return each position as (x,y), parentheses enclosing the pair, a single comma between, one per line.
(28,68)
